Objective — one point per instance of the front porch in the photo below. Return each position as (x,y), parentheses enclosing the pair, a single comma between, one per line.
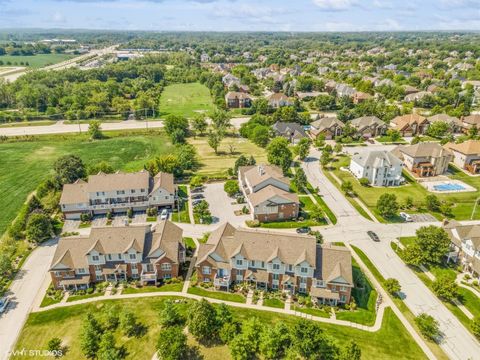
(423,169)
(76,283)
(324,296)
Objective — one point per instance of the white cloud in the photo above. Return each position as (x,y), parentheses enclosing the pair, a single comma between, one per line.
(335,5)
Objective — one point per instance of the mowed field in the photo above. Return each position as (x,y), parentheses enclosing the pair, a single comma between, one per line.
(392,341)
(23,165)
(218,164)
(185,100)
(35,61)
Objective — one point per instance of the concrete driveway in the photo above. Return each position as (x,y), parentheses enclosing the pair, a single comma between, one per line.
(26,290)
(223,207)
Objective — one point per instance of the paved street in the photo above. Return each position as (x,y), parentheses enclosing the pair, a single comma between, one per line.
(25,290)
(458,342)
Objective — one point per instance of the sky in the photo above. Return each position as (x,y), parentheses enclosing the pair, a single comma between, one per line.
(243,15)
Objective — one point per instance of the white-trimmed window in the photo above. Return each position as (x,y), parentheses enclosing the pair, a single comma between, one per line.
(134,270)
(275,266)
(303,270)
(275,276)
(239,262)
(133,256)
(303,280)
(81,271)
(252,263)
(320,283)
(343,288)
(109,256)
(95,258)
(167,276)
(206,270)
(166,267)
(58,273)
(343,298)
(98,267)
(274,286)
(290,268)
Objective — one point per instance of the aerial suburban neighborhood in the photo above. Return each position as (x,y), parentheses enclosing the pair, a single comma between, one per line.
(240,180)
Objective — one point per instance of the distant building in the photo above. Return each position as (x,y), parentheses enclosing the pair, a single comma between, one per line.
(236,100)
(368,126)
(466,155)
(293,132)
(328,126)
(381,168)
(410,125)
(277,100)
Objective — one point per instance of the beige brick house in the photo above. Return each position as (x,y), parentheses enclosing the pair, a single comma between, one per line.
(118,253)
(424,159)
(466,155)
(278,261)
(117,193)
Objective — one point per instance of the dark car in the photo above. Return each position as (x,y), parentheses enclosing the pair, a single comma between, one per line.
(197,189)
(197,196)
(373,236)
(303,230)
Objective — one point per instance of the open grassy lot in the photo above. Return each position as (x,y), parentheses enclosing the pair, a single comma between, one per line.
(391,342)
(182,214)
(222,295)
(23,165)
(216,164)
(186,99)
(175,287)
(35,61)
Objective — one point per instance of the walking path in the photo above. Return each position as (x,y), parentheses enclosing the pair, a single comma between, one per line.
(459,280)
(193,260)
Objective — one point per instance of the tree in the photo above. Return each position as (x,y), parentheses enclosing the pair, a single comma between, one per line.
(220,119)
(243,161)
(197,180)
(214,140)
(69,168)
(438,129)
(107,349)
(432,203)
(351,351)
(445,288)
(428,326)
(172,344)
(199,123)
(176,127)
(202,321)
(433,242)
(364,181)
(300,179)
(325,158)
(338,148)
(392,286)
(260,135)
(394,135)
(309,341)
(347,187)
(475,325)
(6,265)
(303,147)
(387,205)
(169,315)
(110,317)
(39,227)
(95,130)
(275,341)
(317,213)
(90,336)
(246,345)
(278,153)
(102,166)
(129,324)
(54,345)
(231,187)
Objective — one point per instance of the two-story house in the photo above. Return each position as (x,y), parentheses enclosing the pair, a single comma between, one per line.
(368,126)
(118,253)
(328,126)
(410,125)
(381,168)
(293,132)
(278,261)
(117,193)
(267,193)
(277,100)
(465,247)
(466,155)
(238,100)
(424,159)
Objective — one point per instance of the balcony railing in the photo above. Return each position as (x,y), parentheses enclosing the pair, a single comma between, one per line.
(150,276)
(222,280)
(119,205)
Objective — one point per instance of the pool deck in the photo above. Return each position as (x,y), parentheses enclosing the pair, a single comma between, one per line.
(430,186)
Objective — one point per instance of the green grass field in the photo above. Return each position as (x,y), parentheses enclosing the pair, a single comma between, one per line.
(185,99)
(216,164)
(392,341)
(182,215)
(35,61)
(23,165)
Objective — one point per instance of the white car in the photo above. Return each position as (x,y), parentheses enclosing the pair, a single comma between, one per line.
(406,217)
(3,304)
(164,214)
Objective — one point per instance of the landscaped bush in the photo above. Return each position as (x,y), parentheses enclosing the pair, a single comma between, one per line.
(252,223)
(85,218)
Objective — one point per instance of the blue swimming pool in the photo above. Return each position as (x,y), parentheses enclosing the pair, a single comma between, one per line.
(448,187)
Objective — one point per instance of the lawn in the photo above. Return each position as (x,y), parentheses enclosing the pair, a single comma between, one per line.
(275,303)
(183,215)
(35,61)
(365,297)
(391,342)
(221,295)
(312,311)
(185,100)
(24,164)
(217,164)
(86,296)
(28,123)
(177,287)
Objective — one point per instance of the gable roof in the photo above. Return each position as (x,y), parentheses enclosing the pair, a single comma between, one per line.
(164,180)
(269,192)
(376,159)
(444,118)
(401,122)
(256,174)
(333,262)
(469,147)
(74,193)
(289,127)
(326,123)
(118,181)
(364,121)
(427,149)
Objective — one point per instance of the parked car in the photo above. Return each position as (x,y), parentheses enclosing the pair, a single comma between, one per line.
(373,236)
(164,214)
(196,202)
(4,301)
(197,189)
(303,230)
(198,196)
(406,217)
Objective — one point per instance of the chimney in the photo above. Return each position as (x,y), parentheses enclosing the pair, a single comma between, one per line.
(261,170)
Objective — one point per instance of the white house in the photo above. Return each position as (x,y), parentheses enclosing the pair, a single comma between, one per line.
(381,168)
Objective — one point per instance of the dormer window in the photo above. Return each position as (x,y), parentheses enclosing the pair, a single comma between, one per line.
(239,262)
(276,266)
(95,258)
(133,256)
(304,270)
